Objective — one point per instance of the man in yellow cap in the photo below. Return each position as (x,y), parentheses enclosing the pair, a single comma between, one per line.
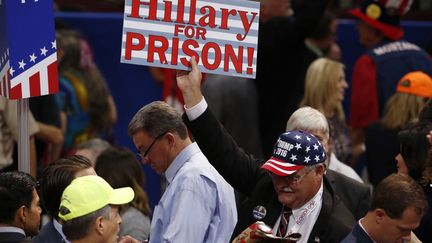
(89,209)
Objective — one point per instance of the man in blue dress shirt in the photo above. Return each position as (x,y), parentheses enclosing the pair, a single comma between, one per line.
(198,204)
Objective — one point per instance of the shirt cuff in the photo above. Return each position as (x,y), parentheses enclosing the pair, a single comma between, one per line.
(197,110)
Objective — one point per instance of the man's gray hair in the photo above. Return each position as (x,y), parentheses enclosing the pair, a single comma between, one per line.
(95,144)
(308,119)
(156,118)
(78,228)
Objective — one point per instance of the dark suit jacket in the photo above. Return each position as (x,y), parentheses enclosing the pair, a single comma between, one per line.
(243,172)
(357,235)
(48,234)
(355,195)
(13,237)
(279,75)
(382,146)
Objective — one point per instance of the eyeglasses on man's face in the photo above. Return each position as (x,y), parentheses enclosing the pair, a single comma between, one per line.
(295,178)
(144,155)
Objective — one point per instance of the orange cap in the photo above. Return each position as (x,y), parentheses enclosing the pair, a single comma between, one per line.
(416,83)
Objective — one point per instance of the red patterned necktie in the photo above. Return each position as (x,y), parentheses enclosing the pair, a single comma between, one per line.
(284,221)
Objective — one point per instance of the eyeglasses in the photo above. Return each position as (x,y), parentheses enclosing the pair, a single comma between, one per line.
(142,156)
(294,179)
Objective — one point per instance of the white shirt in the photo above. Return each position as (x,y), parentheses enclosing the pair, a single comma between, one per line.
(12,229)
(304,225)
(197,110)
(361,225)
(342,168)
(9,129)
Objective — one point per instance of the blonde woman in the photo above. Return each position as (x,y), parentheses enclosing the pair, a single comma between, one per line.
(404,106)
(325,87)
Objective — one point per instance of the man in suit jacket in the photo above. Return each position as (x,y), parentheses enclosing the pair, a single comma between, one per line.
(49,233)
(398,205)
(290,179)
(19,207)
(279,76)
(55,178)
(355,195)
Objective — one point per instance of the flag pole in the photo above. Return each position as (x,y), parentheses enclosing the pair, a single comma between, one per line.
(23,136)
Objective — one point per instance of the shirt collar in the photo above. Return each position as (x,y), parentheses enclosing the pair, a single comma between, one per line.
(315,49)
(12,229)
(59,227)
(361,225)
(318,196)
(181,158)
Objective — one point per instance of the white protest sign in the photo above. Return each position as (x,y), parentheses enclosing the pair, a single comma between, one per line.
(222,35)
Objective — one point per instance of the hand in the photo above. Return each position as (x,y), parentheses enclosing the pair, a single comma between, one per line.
(190,84)
(128,239)
(429,136)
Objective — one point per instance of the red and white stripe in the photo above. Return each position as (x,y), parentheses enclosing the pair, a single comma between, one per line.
(280,168)
(41,79)
(402,6)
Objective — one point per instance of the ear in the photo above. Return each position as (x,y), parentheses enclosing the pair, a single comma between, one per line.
(21,216)
(320,169)
(171,138)
(99,225)
(380,214)
(318,173)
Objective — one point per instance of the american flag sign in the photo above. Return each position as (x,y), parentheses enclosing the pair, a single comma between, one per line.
(28,58)
(221,35)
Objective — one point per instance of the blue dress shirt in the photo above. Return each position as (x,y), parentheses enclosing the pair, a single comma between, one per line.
(198,205)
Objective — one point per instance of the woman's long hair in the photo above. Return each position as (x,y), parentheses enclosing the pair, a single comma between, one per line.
(120,168)
(322,77)
(401,109)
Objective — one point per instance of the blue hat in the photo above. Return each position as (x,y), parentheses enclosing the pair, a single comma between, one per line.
(294,150)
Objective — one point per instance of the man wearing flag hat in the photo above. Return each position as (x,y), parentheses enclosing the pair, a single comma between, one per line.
(388,58)
(289,192)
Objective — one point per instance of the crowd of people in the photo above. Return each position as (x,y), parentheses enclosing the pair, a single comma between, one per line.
(294,167)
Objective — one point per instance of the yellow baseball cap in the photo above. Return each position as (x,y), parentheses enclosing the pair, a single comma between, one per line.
(416,83)
(87,194)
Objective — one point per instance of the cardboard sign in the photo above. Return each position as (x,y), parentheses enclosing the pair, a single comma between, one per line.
(222,35)
(28,57)
(259,232)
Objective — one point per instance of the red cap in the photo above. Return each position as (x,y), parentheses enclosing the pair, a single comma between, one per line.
(384,16)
